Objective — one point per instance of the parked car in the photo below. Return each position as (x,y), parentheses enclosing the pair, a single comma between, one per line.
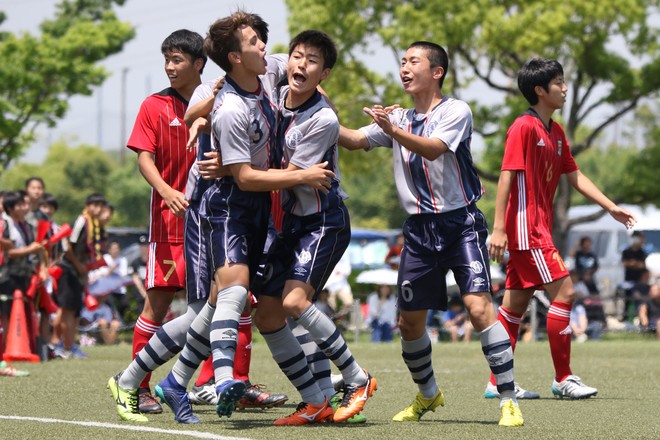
(368,247)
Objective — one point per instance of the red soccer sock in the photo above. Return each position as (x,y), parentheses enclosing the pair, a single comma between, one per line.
(207,373)
(559,336)
(511,322)
(143,331)
(243,348)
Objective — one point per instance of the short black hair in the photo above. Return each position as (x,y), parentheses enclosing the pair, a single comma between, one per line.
(537,72)
(49,199)
(260,27)
(436,54)
(319,40)
(96,198)
(11,199)
(32,179)
(187,42)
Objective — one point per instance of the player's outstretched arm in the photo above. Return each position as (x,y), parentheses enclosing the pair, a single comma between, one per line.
(250,179)
(498,239)
(587,188)
(352,139)
(428,148)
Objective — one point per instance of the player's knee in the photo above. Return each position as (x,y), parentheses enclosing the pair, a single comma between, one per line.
(267,322)
(411,329)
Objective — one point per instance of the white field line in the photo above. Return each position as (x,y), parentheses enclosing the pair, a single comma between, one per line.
(194,434)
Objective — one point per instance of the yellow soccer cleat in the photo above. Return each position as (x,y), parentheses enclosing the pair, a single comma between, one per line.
(420,406)
(126,400)
(511,415)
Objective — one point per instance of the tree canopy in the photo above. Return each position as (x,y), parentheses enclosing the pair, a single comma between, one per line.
(42,72)
(609,51)
(73,173)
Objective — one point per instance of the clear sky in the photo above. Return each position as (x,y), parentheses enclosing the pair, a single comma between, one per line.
(96,119)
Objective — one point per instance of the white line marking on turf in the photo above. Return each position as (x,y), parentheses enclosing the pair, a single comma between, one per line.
(195,434)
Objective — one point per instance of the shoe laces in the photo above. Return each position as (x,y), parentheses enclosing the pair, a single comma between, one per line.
(256,386)
(349,392)
(146,398)
(133,403)
(302,406)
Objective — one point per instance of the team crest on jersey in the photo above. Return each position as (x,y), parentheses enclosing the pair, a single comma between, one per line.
(476,266)
(293,136)
(304,257)
(559,145)
(430,128)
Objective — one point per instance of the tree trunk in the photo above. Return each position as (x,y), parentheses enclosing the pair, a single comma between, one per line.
(560,224)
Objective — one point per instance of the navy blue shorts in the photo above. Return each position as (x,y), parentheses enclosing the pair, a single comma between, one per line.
(235,224)
(436,243)
(198,275)
(307,250)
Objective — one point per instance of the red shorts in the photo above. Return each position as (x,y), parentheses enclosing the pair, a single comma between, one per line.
(534,268)
(166,267)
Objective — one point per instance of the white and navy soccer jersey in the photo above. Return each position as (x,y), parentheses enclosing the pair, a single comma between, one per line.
(243,122)
(435,186)
(244,127)
(316,229)
(307,136)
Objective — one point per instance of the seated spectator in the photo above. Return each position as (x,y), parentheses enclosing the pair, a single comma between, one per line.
(341,294)
(649,311)
(115,276)
(103,320)
(578,322)
(456,321)
(585,258)
(596,321)
(382,315)
(393,256)
(322,304)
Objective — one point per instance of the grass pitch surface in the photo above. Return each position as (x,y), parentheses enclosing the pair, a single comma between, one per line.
(626,373)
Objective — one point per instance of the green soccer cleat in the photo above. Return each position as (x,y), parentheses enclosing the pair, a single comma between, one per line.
(420,406)
(126,400)
(9,371)
(511,415)
(336,401)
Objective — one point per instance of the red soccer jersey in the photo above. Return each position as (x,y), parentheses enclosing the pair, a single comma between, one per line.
(159,129)
(540,157)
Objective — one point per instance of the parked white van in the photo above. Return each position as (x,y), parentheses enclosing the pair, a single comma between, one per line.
(609,239)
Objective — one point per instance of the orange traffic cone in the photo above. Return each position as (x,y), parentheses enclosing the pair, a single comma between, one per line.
(18,339)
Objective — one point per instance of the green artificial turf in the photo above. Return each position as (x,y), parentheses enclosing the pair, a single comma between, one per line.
(627,374)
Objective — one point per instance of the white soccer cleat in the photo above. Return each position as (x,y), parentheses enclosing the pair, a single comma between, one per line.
(572,388)
(203,395)
(521,393)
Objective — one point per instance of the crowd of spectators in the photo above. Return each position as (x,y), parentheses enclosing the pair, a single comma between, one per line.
(73,281)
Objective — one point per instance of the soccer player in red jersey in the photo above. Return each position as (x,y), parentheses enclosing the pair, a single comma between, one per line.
(159,138)
(536,154)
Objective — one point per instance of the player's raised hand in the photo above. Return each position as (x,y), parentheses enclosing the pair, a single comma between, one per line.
(318,177)
(381,117)
(196,128)
(498,245)
(219,84)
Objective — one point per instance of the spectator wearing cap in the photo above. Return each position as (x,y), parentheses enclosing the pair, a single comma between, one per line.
(84,250)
